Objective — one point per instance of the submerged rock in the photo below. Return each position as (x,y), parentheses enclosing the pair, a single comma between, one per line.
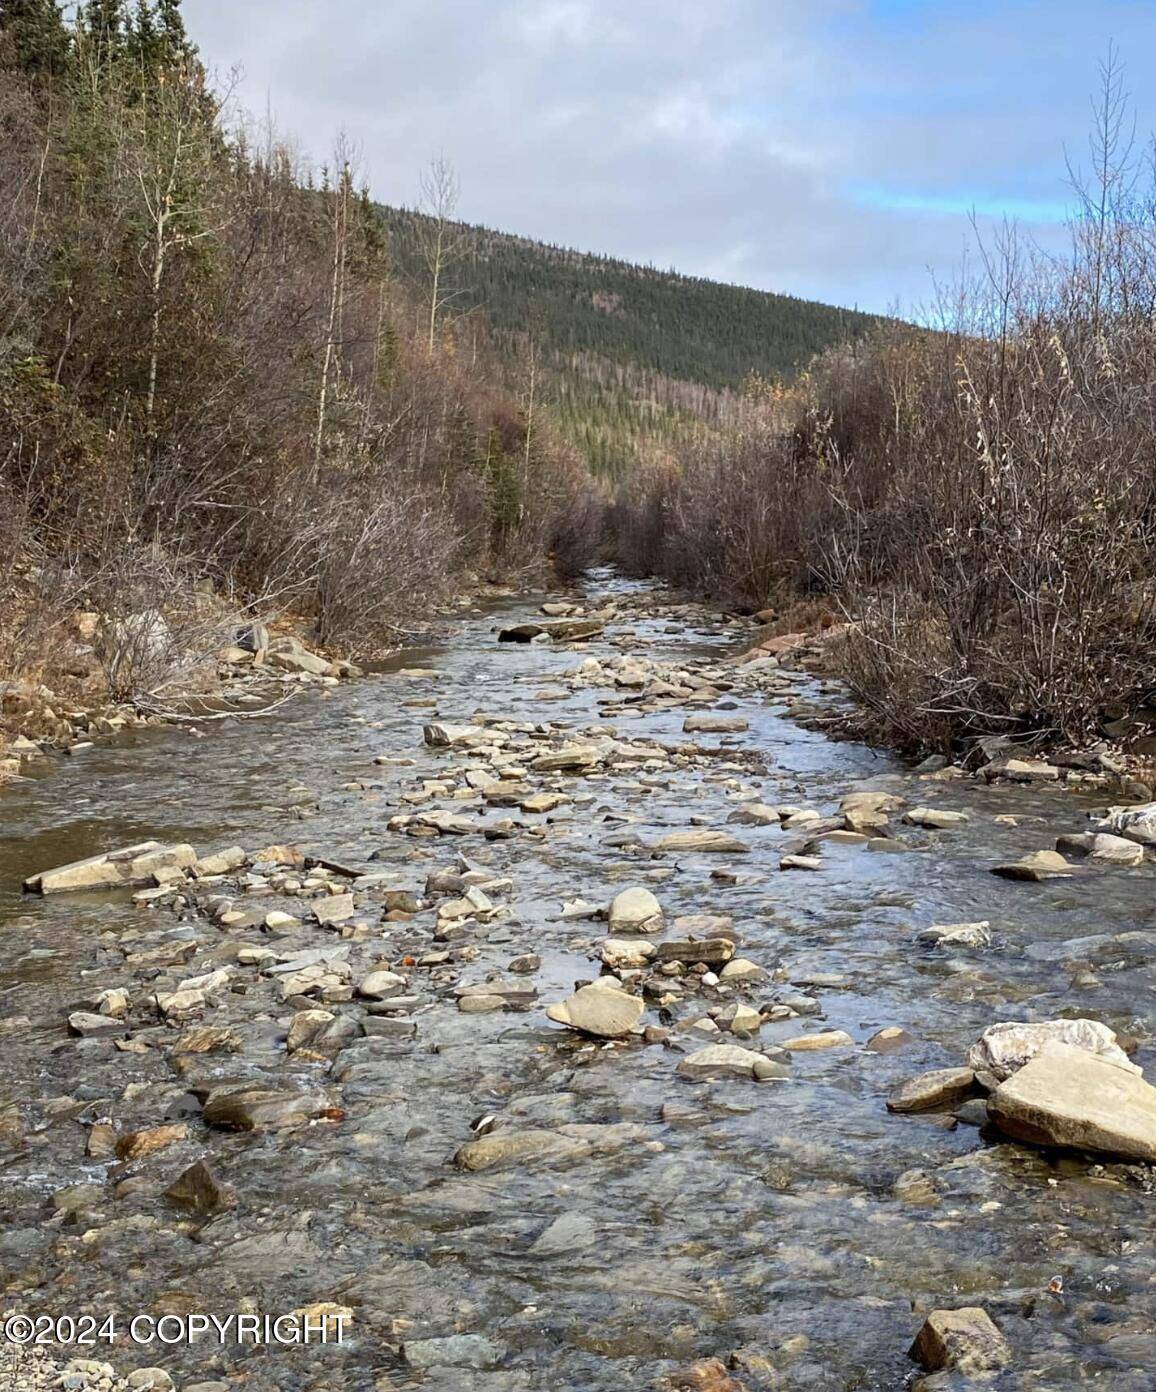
(572,1142)
(708,841)
(261,1109)
(199,1189)
(453,1351)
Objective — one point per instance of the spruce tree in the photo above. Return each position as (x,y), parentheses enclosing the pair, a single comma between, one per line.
(37,33)
(175,41)
(104,23)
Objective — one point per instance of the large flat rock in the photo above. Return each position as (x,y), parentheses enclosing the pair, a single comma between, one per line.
(131,865)
(1068,1097)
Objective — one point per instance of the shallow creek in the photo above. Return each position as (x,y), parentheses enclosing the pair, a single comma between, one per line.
(762,1220)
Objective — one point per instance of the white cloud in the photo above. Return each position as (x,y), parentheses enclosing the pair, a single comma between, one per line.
(726,138)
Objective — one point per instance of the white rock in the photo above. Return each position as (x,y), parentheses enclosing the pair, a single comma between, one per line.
(1136,823)
(635,910)
(619,953)
(1004,1048)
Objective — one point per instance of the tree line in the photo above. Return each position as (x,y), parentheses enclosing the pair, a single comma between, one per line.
(209,368)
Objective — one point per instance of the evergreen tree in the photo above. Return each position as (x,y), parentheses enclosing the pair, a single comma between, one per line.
(175,41)
(37,32)
(104,24)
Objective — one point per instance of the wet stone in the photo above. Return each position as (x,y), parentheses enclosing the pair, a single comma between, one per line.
(939,1088)
(261,1109)
(599,1010)
(964,1340)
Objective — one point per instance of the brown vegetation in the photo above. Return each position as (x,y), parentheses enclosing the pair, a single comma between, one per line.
(980,497)
(208,373)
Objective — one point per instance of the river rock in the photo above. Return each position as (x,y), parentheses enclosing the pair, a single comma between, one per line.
(570,758)
(441,734)
(800,862)
(180,1006)
(936,818)
(333,909)
(1067,1096)
(379,984)
(958,934)
(730,1061)
(625,954)
(868,811)
(1039,865)
(635,910)
(220,863)
(87,1024)
(261,1109)
(599,1010)
(291,655)
(708,841)
(714,724)
(135,1145)
(1134,823)
(1020,771)
(939,1088)
(742,969)
(964,1340)
(810,1043)
(304,1028)
(755,814)
(1004,1048)
(739,1019)
(715,952)
(131,865)
(199,1189)
(1102,848)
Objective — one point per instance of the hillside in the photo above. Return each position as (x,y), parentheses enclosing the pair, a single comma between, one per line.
(625,353)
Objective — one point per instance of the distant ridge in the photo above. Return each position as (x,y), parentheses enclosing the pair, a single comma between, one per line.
(629,355)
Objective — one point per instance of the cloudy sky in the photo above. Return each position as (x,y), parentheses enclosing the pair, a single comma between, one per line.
(828,148)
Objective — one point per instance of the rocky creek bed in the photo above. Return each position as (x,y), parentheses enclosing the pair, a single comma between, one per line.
(562,1013)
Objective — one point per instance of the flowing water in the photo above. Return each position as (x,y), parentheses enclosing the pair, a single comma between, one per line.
(763,1221)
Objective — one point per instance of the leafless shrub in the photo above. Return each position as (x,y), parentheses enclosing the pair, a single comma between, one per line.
(380,565)
(980,497)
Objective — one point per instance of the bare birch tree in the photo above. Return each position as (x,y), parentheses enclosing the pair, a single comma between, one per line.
(442,239)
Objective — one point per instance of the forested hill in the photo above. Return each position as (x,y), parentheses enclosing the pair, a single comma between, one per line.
(624,352)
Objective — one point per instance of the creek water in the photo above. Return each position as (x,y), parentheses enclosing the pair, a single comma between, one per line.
(778,1222)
